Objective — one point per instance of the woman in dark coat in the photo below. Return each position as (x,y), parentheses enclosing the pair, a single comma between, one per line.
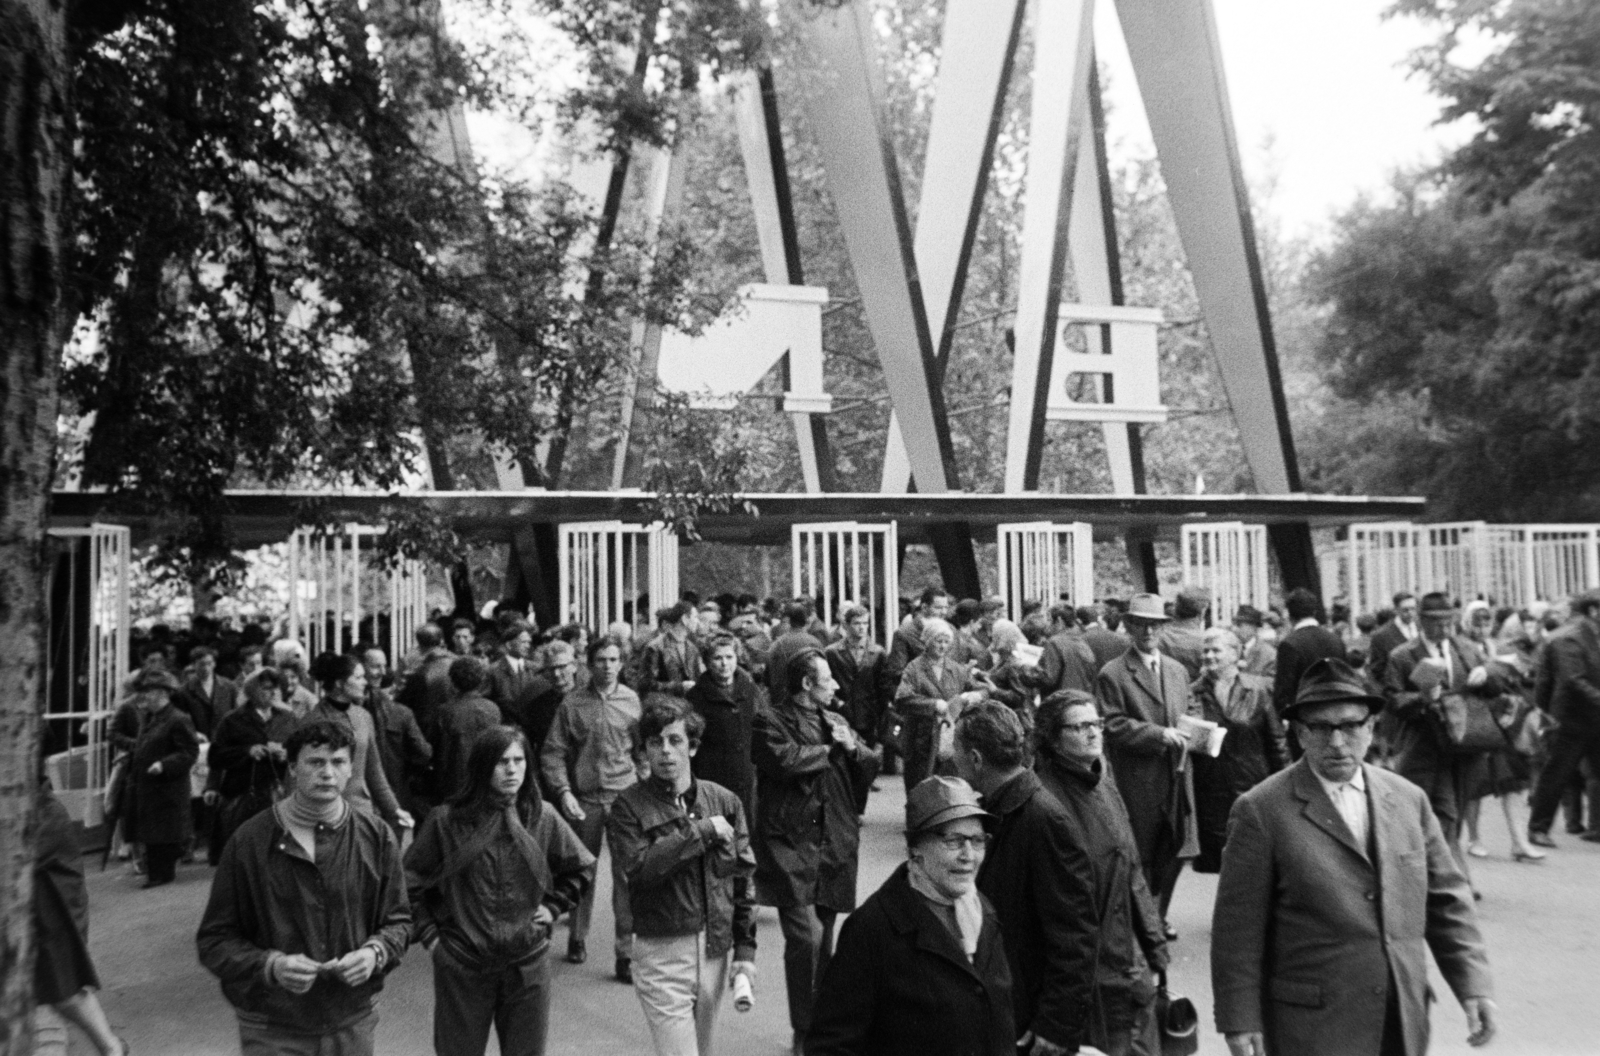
(920,968)
(63,975)
(727,699)
(158,774)
(247,756)
(1253,749)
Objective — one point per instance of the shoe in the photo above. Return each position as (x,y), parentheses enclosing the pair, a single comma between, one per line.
(1477,896)
(1529,855)
(624,970)
(148,884)
(1592,836)
(1575,828)
(577,952)
(1171,933)
(1541,839)
(1477,850)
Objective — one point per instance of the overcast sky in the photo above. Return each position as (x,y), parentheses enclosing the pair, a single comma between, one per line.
(1327,79)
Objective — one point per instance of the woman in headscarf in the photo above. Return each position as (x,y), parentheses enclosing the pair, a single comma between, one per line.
(488,876)
(920,967)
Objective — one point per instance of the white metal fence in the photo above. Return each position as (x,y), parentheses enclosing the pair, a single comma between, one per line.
(340,595)
(86,659)
(1229,560)
(612,571)
(1040,561)
(848,563)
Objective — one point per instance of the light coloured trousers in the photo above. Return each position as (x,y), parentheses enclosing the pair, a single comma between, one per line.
(680,989)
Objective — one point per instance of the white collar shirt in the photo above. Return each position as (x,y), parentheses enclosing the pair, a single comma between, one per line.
(1350,799)
(1309,621)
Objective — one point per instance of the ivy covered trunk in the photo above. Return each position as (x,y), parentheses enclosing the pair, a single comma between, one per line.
(33,193)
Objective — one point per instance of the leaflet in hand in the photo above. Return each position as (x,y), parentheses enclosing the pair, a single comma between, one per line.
(1203,732)
(1027,655)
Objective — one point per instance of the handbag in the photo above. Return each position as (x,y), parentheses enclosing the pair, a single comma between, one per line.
(1470,725)
(1178,1021)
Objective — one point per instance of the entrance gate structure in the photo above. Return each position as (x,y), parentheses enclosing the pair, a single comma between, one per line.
(613,571)
(340,594)
(88,618)
(849,563)
(1229,560)
(1039,560)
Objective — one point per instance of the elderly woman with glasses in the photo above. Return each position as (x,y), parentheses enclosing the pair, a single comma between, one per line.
(932,692)
(1253,748)
(920,967)
(1127,937)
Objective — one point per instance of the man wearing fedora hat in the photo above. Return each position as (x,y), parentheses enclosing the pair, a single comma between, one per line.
(163,755)
(1336,881)
(1143,693)
(1416,676)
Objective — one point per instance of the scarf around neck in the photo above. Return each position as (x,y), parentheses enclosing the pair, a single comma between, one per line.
(968,908)
(302,819)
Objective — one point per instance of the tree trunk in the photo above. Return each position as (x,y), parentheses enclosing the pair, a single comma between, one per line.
(34,163)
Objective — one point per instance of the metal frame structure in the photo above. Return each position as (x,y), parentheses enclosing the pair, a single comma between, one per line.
(1508,564)
(609,567)
(847,562)
(1034,560)
(1230,561)
(334,585)
(86,661)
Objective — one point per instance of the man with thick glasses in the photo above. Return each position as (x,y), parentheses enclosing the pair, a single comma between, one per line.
(1336,882)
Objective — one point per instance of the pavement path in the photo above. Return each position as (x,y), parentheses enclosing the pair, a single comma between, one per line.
(1542,924)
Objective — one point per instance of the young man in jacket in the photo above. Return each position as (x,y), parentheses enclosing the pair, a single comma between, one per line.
(685,849)
(301,967)
(811,770)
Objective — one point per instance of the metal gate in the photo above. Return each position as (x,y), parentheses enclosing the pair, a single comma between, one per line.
(1040,560)
(339,595)
(845,563)
(1384,559)
(87,621)
(612,571)
(1230,561)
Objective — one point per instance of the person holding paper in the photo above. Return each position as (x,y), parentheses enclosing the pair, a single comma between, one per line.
(1238,706)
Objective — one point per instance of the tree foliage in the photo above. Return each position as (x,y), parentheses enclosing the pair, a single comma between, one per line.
(1464,325)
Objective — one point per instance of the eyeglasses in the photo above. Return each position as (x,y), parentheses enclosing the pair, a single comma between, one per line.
(1084,727)
(1328,729)
(954,844)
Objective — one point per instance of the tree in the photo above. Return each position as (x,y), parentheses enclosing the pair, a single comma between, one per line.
(1464,313)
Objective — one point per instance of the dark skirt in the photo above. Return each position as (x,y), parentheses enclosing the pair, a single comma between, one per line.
(62,967)
(1497,774)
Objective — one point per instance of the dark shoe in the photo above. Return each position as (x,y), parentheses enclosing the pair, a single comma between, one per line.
(1575,828)
(1541,839)
(148,884)
(1592,836)
(624,970)
(577,952)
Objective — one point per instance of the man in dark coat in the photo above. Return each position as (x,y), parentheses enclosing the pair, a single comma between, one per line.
(1182,638)
(457,724)
(906,645)
(1303,646)
(406,754)
(727,699)
(427,685)
(790,644)
(1105,643)
(1143,694)
(1054,860)
(670,662)
(1420,753)
(1256,656)
(810,768)
(1068,662)
(514,680)
(1401,630)
(1571,673)
(159,775)
(860,666)
(206,695)
(1336,883)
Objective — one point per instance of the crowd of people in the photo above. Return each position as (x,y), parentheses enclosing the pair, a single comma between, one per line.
(1060,770)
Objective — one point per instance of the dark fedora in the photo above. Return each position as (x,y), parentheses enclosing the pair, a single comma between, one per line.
(1247,614)
(1436,604)
(1332,681)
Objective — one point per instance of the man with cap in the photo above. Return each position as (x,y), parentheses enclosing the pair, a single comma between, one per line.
(1336,881)
(1257,656)
(1418,674)
(921,966)
(1143,693)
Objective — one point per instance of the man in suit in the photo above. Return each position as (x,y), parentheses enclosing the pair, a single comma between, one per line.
(1142,695)
(1303,646)
(1184,637)
(859,665)
(1571,669)
(1257,656)
(1401,630)
(514,682)
(1419,750)
(1068,662)
(1336,880)
(206,696)
(1103,641)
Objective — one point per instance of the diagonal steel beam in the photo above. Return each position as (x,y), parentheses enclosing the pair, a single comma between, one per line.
(976,56)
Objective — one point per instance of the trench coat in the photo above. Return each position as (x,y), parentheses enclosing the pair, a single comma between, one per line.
(808,831)
(729,712)
(1311,931)
(1420,749)
(900,985)
(1254,747)
(161,801)
(1153,776)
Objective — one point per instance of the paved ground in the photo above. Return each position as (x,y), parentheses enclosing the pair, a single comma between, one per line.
(1542,923)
